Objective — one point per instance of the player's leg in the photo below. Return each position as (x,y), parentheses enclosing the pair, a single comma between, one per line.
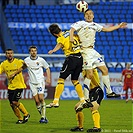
(132,95)
(87,81)
(66,70)
(19,105)
(79,90)
(126,95)
(76,69)
(95,81)
(43,109)
(41,88)
(106,82)
(96,96)
(80,120)
(22,108)
(88,68)
(58,91)
(15,108)
(125,89)
(95,117)
(35,89)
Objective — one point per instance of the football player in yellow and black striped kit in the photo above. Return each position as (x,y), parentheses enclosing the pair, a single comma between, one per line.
(15,85)
(95,97)
(72,64)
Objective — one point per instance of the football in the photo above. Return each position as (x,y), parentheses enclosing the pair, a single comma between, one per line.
(82,6)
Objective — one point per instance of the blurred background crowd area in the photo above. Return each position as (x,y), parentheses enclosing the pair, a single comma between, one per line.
(25,22)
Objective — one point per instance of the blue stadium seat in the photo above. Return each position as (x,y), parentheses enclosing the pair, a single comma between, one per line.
(28,20)
(35,42)
(41,42)
(8,15)
(37,11)
(22,42)
(16,42)
(27,38)
(40,38)
(26,32)
(28,42)
(31,11)
(34,38)
(44,11)
(56,11)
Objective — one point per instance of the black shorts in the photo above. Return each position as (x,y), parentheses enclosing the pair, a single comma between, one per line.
(72,65)
(96,94)
(14,95)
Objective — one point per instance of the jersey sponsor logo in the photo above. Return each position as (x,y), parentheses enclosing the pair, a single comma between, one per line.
(37,63)
(86,63)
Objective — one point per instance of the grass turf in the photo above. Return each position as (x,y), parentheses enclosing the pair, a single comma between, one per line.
(116,116)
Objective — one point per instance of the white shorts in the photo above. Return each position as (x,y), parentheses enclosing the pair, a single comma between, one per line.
(91,58)
(37,88)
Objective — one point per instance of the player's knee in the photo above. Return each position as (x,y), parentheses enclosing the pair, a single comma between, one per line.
(95,106)
(104,71)
(60,81)
(89,75)
(15,103)
(75,82)
(76,106)
(37,102)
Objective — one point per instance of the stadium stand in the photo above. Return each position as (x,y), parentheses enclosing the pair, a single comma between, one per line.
(115,46)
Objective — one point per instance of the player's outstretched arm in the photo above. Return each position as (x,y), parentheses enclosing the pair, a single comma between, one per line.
(112,28)
(56,48)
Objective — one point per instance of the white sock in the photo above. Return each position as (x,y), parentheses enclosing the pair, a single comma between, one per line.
(39,108)
(106,82)
(86,88)
(43,111)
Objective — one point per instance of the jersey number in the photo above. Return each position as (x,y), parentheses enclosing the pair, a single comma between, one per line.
(39,89)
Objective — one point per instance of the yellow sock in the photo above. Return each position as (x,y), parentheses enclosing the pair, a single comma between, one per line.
(58,90)
(17,112)
(80,119)
(96,118)
(22,109)
(79,91)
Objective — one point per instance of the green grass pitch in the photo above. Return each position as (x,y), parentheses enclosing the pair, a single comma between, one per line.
(116,116)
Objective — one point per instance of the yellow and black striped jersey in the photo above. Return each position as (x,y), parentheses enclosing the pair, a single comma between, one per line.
(9,68)
(67,46)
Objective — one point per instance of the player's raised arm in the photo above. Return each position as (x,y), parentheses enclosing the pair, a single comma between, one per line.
(112,28)
(72,34)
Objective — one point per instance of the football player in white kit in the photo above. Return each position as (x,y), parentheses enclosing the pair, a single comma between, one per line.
(86,31)
(35,66)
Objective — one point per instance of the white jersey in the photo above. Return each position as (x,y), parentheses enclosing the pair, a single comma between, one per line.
(86,32)
(35,69)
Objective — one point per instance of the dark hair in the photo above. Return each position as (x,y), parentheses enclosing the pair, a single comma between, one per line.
(8,50)
(54,29)
(32,47)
